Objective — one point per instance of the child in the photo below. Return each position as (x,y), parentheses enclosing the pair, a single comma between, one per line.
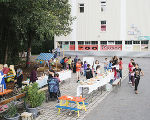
(110,66)
(98,71)
(130,70)
(132,74)
(137,75)
(85,67)
(120,67)
(105,64)
(69,63)
(78,68)
(89,73)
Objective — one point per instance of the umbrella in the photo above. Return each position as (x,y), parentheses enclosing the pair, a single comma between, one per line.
(45,56)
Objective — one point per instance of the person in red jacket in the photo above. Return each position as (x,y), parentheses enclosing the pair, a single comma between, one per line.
(78,68)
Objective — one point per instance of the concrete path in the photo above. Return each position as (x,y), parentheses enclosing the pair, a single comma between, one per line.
(124,104)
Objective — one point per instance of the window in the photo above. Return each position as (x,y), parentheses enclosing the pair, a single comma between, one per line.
(103,5)
(144,42)
(103,42)
(103,25)
(118,42)
(72,43)
(81,7)
(66,43)
(87,42)
(94,42)
(111,42)
(128,42)
(81,43)
(136,42)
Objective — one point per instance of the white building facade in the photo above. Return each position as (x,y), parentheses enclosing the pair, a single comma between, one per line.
(108,25)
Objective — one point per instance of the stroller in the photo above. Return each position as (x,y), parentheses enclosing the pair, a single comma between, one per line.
(53,89)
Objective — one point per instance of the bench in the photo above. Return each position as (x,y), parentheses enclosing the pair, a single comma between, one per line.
(67,108)
(79,102)
(117,82)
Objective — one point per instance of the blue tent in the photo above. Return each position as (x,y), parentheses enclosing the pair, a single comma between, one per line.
(45,56)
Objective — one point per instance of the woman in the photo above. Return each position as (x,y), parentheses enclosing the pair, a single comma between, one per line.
(33,75)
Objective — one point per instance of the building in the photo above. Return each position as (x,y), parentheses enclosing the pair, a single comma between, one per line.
(108,25)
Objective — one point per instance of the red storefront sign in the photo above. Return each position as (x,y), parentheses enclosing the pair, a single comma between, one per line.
(88,47)
(111,47)
(72,47)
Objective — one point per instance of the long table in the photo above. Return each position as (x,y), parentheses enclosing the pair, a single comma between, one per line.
(63,75)
(101,81)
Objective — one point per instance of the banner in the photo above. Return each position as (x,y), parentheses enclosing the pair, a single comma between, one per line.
(111,47)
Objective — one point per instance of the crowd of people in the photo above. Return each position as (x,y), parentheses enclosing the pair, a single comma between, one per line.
(91,70)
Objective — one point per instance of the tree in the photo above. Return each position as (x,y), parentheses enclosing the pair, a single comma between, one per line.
(41,19)
(36,20)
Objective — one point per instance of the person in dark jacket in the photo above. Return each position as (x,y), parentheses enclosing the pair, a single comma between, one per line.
(19,78)
(89,73)
(33,75)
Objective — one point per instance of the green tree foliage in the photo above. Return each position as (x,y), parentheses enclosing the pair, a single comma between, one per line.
(35,20)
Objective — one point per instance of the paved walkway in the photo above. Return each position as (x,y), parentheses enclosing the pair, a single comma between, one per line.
(49,112)
(125,104)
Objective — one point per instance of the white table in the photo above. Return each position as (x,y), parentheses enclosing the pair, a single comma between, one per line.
(42,81)
(102,81)
(63,75)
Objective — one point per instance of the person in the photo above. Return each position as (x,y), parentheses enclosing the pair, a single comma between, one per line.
(56,75)
(33,75)
(85,67)
(78,68)
(2,80)
(130,70)
(137,75)
(117,76)
(69,62)
(72,65)
(65,63)
(110,66)
(19,77)
(89,73)
(120,66)
(132,73)
(75,61)
(62,62)
(58,51)
(115,60)
(98,70)
(51,73)
(105,64)
(95,65)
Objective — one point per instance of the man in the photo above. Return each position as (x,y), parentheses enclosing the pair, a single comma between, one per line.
(137,75)
(130,70)
(58,51)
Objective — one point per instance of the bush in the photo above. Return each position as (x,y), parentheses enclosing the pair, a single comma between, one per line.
(34,97)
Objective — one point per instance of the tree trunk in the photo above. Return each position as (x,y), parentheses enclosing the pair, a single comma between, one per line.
(6,54)
(29,51)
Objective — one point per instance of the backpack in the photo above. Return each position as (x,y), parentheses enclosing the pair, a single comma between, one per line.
(53,85)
